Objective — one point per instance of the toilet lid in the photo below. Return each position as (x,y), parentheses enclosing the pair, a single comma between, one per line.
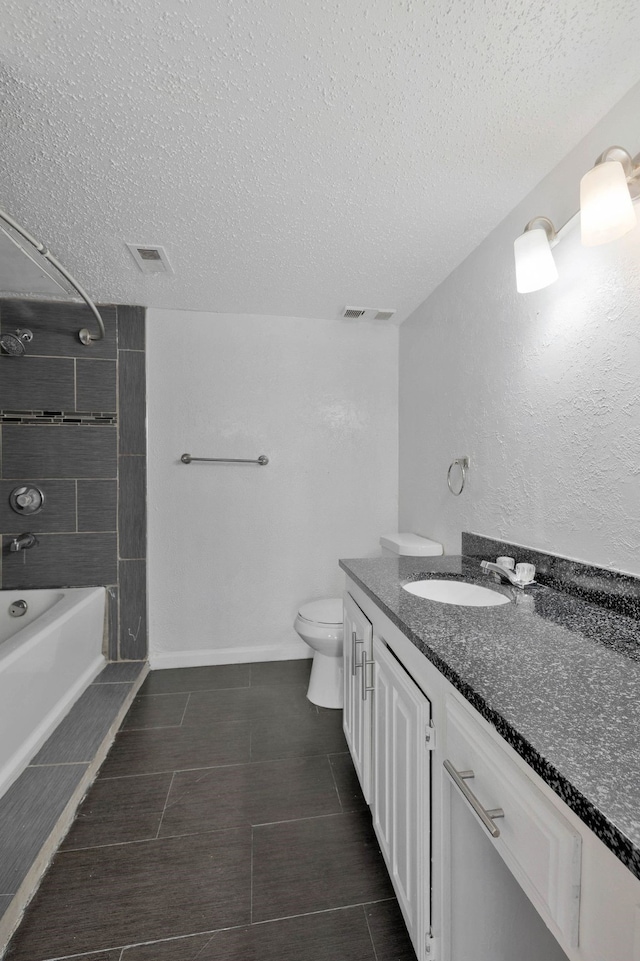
(327,611)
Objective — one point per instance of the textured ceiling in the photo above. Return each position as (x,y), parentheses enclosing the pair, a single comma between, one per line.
(293,156)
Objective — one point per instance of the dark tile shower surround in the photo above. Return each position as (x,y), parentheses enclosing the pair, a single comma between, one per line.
(226,824)
(72,422)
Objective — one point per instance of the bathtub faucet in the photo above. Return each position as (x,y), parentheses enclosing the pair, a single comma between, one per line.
(23,542)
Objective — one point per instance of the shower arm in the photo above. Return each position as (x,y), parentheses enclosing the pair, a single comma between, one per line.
(85,335)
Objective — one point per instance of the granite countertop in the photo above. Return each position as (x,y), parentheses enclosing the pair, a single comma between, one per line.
(557,676)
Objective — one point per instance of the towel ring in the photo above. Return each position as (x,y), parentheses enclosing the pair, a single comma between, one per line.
(463,464)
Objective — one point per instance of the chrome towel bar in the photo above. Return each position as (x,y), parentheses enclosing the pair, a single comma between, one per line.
(262,460)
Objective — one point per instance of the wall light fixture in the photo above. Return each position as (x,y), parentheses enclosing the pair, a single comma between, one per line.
(607,195)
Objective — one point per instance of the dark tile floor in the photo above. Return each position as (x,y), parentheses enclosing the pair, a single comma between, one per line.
(226,824)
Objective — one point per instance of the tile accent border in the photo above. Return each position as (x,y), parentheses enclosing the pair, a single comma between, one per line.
(55,417)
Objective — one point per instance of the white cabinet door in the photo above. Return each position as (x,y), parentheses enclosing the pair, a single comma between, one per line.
(358,636)
(400,788)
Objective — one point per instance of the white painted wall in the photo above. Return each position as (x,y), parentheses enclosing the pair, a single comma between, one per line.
(234,550)
(541,390)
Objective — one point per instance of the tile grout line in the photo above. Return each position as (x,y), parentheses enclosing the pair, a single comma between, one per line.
(185,709)
(208,767)
(166,801)
(180,770)
(157,727)
(308,914)
(311,817)
(335,783)
(212,931)
(149,840)
(196,832)
(203,948)
(251,879)
(366,921)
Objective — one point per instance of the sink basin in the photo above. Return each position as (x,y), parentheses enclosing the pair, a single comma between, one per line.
(456,592)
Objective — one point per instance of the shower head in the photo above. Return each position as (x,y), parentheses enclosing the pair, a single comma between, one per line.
(14,344)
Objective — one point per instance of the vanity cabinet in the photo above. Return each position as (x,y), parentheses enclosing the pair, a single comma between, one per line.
(545,888)
(387,724)
(358,648)
(400,795)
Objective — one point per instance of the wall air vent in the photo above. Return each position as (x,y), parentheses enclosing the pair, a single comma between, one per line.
(367,313)
(151,259)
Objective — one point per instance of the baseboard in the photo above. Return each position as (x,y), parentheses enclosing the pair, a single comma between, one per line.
(159,660)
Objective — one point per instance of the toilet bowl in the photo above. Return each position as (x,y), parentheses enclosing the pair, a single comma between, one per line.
(319,624)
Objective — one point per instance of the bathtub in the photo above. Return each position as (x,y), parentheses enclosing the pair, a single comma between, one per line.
(48,656)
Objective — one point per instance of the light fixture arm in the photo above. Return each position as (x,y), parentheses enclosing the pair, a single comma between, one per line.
(85,335)
(545,224)
(621,155)
(630,165)
(553,236)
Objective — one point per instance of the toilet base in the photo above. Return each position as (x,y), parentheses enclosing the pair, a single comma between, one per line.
(325,683)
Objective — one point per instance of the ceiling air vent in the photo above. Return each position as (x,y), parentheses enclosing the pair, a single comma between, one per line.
(150,259)
(367,313)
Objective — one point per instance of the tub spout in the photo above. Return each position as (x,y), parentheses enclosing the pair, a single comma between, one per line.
(23,542)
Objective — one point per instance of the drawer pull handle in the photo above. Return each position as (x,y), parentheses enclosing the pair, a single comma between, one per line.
(364,664)
(486,816)
(354,663)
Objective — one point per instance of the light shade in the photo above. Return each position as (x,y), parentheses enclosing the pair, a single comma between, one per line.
(535,266)
(606,208)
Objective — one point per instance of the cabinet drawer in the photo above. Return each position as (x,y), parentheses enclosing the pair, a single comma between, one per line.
(537,843)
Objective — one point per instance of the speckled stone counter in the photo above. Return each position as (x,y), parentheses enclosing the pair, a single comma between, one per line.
(557,676)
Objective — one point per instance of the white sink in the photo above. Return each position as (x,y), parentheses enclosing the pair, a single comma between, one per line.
(456,592)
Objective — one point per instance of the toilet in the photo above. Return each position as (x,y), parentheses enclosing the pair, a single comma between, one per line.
(319,624)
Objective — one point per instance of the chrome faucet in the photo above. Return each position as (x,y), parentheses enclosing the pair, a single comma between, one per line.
(502,572)
(23,542)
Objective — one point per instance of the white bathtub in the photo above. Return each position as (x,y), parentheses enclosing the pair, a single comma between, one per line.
(47,659)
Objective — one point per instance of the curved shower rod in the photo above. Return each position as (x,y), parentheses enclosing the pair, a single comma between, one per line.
(85,335)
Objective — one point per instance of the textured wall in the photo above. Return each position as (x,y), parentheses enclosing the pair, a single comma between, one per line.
(73,423)
(293,156)
(235,549)
(541,390)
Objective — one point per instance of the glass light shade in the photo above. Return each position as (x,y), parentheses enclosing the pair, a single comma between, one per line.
(535,266)
(606,208)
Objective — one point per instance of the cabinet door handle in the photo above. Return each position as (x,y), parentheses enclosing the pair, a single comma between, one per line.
(486,816)
(354,663)
(364,664)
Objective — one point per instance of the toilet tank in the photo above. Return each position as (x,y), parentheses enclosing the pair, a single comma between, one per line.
(411,545)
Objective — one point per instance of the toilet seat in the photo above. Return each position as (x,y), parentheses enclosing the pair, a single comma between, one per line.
(327,612)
